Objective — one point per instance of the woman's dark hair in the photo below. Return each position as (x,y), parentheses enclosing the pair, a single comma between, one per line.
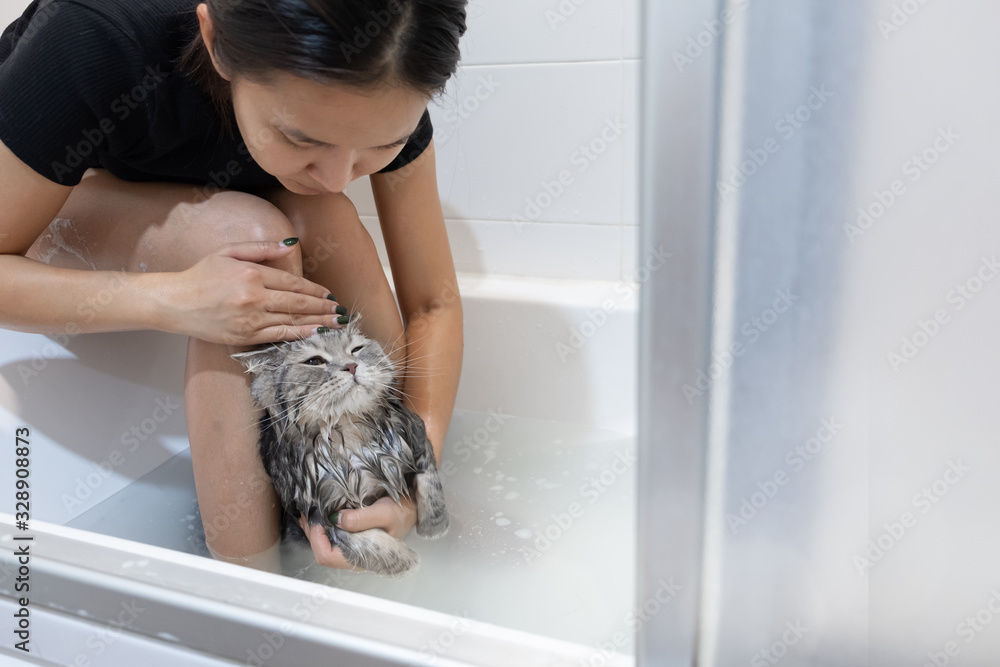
(361,43)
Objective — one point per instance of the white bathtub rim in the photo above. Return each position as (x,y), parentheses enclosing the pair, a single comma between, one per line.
(209,580)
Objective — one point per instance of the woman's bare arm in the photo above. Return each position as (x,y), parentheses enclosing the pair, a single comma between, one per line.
(226,297)
(43,299)
(423,271)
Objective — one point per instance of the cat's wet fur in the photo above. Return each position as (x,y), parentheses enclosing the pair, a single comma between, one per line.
(335,435)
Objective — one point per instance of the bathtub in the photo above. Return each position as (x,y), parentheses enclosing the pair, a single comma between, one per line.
(539,463)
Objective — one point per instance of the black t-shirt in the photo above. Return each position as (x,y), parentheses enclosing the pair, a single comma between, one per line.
(96,83)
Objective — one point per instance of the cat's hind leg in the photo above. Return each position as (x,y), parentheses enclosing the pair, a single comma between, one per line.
(375,550)
(432,515)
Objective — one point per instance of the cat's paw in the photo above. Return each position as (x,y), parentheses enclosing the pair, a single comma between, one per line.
(432,515)
(433,525)
(376,551)
(398,562)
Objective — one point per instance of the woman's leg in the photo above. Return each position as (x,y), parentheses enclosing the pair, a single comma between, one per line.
(109,224)
(240,511)
(338,253)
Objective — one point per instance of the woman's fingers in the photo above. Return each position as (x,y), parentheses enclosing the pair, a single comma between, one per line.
(283,281)
(258,251)
(275,279)
(292,297)
(384,513)
(315,298)
(293,303)
(283,332)
(293,307)
(275,326)
(325,553)
(238,301)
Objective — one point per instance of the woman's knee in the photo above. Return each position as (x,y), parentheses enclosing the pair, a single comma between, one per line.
(238,217)
(111,224)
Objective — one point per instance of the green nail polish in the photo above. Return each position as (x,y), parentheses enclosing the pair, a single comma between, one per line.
(343,319)
(291,241)
(323,330)
(334,518)
(341,310)
(331,297)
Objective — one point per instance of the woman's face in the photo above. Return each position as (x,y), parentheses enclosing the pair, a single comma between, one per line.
(315,138)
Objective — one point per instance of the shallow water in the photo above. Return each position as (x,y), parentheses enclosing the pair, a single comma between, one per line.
(542,534)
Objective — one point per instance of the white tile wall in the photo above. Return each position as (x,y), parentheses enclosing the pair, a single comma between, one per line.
(10,10)
(532,91)
(530,31)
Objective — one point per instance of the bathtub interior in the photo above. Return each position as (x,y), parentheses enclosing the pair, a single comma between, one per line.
(538,463)
(526,549)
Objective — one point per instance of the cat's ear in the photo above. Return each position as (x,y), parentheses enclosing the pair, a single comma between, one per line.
(258,361)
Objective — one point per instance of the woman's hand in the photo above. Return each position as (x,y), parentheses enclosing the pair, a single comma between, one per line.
(384,513)
(229,298)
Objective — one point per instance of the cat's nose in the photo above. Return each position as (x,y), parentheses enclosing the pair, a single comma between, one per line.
(352,368)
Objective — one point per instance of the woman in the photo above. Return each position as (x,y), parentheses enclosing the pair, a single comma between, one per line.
(182,166)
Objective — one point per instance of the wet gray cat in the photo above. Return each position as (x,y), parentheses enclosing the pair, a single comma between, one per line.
(336,435)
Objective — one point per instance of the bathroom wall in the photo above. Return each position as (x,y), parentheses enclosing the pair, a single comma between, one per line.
(537,141)
(10,10)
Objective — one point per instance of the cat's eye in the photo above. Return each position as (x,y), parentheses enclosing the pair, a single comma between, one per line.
(355,350)
(315,361)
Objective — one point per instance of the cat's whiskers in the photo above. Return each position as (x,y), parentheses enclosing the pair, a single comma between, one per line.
(281,416)
(430,372)
(290,402)
(399,393)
